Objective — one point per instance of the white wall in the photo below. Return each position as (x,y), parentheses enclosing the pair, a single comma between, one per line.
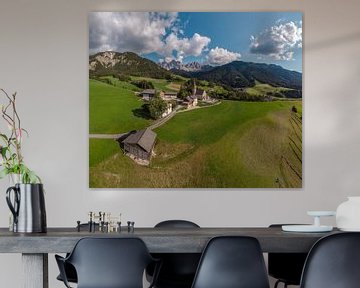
(44,57)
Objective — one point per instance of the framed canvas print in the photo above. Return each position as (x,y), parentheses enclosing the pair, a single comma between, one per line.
(195,100)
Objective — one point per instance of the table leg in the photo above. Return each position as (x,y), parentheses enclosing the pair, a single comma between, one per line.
(35,270)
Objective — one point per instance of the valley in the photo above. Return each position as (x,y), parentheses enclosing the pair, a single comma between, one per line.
(252,143)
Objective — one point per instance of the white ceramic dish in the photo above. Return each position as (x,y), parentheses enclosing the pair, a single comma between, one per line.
(321,213)
(306,228)
(350,229)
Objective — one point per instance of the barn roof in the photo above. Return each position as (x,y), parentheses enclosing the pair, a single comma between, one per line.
(199,92)
(148,91)
(144,138)
(189,99)
(170,93)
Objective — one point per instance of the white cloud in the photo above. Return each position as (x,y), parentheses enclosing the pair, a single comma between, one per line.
(128,31)
(142,33)
(221,56)
(278,42)
(183,47)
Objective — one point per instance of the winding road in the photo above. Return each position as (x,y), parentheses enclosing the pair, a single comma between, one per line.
(153,126)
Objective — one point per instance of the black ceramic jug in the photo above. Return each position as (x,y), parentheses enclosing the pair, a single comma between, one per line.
(28,208)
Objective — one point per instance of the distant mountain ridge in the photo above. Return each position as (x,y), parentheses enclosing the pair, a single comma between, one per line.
(240,74)
(126,63)
(237,74)
(175,65)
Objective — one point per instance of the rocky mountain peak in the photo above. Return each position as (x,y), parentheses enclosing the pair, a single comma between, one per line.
(177,65)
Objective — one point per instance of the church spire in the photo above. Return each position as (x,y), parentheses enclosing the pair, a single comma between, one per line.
(194,87)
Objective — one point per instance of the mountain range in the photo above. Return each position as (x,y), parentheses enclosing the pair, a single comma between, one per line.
(126,63)
(175,66)
(240,74)
(237,74)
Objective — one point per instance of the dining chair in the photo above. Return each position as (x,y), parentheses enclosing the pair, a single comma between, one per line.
(108,263)
(70,271)
(178,269)
(232,262)
(286,267)
(333,262)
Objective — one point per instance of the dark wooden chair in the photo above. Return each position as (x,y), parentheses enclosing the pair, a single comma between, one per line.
(108,262)
(333,262)
(178,269)
(232,262)
(69,269)
(286,267)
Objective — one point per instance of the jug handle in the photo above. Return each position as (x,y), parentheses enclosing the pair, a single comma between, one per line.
(13,208)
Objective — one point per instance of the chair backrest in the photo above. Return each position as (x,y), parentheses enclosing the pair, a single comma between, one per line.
(333,262)
(286,266)
(232,262)
(110,262)
(176,224)
(177,268)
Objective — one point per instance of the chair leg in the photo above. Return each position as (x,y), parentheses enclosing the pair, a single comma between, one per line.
(278,282)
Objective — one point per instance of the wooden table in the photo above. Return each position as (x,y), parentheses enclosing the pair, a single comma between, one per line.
(35,247)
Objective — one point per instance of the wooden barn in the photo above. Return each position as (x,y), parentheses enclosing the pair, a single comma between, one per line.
(147,94)
(140,144)
(166,95)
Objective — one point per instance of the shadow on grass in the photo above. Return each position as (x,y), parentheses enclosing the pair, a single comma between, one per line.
(142,112)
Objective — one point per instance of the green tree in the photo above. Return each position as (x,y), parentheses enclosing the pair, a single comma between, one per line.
(169,77)
(185,90)
(173,103)
(123,77)
(143,84)
(157,107)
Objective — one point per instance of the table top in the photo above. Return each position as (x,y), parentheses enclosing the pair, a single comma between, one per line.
(158,240)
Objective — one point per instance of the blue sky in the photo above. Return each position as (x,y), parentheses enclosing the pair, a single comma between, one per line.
(214,38)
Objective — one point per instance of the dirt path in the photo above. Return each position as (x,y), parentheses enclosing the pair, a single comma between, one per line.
(200,107)
(156,124)
(106,136)
(162,121)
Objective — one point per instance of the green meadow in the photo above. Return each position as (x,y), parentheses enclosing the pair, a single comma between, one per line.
(101,149)
(261,89)
(231,145)
(112,108)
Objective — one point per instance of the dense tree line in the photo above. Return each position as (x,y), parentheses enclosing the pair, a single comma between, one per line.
(293,93)
(143,84)
(119,76)
(240,95)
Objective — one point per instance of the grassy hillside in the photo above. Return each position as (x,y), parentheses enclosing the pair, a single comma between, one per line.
(113,108)
(101,149)
(234,144)
(263,89)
